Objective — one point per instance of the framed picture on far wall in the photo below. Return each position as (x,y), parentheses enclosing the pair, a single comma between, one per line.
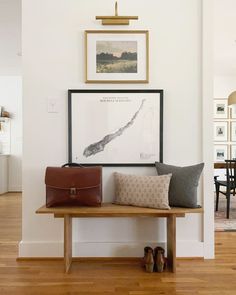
(220,108)
(233,111)
(233,131)
(233,151)
(115,127)
(220,131)
(220,152)
(117,56)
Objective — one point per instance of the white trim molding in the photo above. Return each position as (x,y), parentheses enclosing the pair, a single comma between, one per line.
(105,249)
(207,126)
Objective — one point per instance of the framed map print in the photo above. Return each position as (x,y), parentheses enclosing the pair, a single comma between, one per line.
(115,127)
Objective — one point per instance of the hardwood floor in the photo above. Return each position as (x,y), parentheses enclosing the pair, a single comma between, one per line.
(108,277)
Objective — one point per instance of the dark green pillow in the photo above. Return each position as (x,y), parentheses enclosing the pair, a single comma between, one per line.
(183,184)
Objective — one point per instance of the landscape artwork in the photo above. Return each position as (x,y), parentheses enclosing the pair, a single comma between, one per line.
(116,57)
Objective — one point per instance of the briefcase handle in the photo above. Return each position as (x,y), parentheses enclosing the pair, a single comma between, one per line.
(72,165)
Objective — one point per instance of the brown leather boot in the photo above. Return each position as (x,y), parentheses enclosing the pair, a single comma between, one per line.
(148,260)
(143,261)
(159,259)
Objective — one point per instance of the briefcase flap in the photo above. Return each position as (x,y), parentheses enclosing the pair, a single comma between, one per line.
(79,178)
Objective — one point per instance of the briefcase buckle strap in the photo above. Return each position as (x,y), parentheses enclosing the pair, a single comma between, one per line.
(72,192)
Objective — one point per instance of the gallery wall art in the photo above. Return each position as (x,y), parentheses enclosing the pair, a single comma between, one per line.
(220,131)
(115,127)
(233,151)
(233,112)
(224,130)
(220,109)
(233,131)
(220,152)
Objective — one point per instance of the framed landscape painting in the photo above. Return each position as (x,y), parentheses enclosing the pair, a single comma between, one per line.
(116,56)
(115,127)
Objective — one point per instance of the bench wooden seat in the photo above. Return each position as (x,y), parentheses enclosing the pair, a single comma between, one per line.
(111,210)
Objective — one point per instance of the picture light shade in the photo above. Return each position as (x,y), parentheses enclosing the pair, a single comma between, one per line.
(232,98)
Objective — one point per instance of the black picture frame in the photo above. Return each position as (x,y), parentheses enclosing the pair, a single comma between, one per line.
(114,91)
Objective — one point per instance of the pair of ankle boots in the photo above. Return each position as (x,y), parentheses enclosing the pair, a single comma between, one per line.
(154,259)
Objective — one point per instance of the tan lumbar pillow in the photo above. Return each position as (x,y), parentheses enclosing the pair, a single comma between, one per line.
(142,191)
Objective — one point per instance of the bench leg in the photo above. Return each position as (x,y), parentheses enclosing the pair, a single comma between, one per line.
(67,242)
(171,242)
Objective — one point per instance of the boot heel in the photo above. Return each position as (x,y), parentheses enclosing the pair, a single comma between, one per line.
(149,267)
(160,268)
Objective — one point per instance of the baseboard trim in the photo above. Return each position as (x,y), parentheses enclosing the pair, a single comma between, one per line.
(19,259)
(54,249)
(94,259)
(11,192)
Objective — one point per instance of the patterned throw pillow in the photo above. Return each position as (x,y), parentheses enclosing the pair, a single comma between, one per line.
(142,191)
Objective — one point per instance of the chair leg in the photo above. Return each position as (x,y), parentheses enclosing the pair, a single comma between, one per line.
(217,195)
(228,204)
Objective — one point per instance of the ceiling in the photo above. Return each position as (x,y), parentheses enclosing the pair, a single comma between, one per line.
(225,37)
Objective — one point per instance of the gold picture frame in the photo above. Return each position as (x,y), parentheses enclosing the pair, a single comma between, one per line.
(134,68)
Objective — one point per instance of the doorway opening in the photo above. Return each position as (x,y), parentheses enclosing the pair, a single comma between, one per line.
(224,116)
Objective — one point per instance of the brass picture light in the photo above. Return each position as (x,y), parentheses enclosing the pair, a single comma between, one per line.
(116,19)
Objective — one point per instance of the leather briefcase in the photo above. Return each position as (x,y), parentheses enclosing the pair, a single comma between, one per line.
(74,185)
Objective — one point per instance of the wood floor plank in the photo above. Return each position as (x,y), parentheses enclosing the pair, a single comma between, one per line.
(109,277)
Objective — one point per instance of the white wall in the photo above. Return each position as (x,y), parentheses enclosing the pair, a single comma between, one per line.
(11,99)
(10,82)
(224,85)
(10,37)
(53,61)
(224,37)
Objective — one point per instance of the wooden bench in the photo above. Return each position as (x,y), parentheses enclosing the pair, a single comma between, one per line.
(111,210)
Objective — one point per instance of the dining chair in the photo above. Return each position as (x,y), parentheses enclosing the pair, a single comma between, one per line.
(229,184)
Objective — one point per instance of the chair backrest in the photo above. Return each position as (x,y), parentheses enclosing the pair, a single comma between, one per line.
(231,170)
